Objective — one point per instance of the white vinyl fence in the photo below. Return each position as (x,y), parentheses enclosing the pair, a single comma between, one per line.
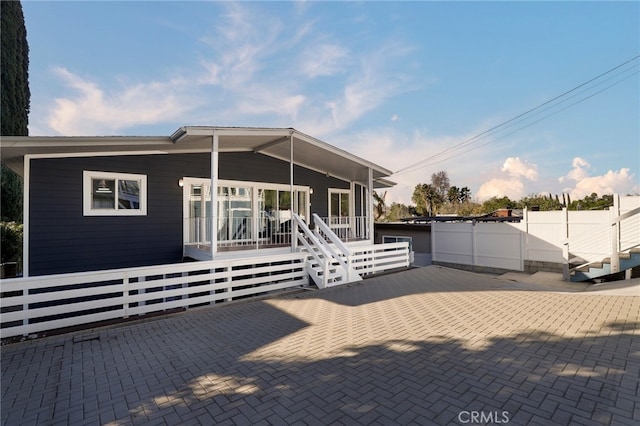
(496,245)
(538,238)
(35,304)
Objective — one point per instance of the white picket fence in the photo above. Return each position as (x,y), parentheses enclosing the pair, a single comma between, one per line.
(35,304)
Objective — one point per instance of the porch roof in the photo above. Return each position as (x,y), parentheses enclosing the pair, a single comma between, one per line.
(308,152)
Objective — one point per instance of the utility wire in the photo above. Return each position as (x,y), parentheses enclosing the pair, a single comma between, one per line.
(509,123)
(528,125)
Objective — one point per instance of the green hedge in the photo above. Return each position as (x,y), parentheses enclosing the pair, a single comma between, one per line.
(11,241)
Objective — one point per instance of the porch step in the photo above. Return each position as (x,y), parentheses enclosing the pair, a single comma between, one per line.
(333,274)
(601,269)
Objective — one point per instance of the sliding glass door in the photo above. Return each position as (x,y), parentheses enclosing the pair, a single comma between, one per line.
(248,213)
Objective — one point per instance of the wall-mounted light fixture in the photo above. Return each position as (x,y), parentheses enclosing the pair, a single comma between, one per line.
(181,183)
(310,191)
(103,188)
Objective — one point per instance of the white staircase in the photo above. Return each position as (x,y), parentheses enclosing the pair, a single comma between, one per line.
(328,261)
(611,249)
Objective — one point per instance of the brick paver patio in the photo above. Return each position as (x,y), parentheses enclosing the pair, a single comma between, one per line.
(425,346)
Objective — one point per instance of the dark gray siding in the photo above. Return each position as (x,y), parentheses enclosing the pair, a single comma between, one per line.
(252,167)
(420,234)
(62,240)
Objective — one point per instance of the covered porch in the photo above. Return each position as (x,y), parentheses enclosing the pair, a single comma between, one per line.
(253,211)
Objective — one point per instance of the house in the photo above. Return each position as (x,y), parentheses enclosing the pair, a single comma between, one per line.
(205,215)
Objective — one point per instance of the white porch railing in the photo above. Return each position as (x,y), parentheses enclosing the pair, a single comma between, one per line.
(240,232)
(616,236)
(35,304)
(348,228)
(332,262)
(378,258)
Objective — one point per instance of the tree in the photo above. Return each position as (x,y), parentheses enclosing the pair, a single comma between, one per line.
(495,203)
(380,206)
(398,211)
(540,202)
(427,199)
(16,96)
(14,116)
(592,202)
(457,195)
(441,184)
(453,195)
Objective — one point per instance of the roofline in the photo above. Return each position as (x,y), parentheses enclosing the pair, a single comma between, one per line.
(275,131)
(80,141)
(154,142)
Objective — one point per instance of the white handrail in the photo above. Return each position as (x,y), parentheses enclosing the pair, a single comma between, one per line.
(301,237)
(346,252)
(332,236)
(610,230)
(626,215)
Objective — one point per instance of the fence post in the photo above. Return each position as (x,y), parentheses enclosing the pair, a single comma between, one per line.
(615,240)
(474,256)
(125,295)
(229,281)
(565,247)
(433,241)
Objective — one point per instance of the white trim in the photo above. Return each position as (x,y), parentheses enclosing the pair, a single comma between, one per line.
(215,170)
(251,185)
(398,239)
(88,210)
(25,216)
(370,201)
(339,191)
(97,154)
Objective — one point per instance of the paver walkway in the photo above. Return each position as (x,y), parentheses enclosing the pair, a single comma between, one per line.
(425,346)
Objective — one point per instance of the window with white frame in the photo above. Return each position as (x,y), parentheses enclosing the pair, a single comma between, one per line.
(397,239)
(114,194)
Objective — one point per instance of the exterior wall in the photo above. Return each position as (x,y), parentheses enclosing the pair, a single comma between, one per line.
(420,234)
(252,167)
(62,239)
(420,238)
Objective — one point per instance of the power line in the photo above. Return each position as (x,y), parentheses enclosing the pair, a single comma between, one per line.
(530,124)
(525,116)
(452,155)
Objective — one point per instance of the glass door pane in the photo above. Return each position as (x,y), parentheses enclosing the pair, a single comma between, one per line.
(240,213)
(199,212)
(302,204)
(267,208)
(223,213)
(334,204)
(344,205)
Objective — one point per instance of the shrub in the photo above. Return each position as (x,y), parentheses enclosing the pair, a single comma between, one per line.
(11,241)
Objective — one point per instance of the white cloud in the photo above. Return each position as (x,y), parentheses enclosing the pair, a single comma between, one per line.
(511,186)
(519,168)
(394,149)
(614,181)
(500,187)
(256,70)
(323,60)
(394,117)
(87,110)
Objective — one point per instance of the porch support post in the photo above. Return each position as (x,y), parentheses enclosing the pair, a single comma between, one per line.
(294,226)
(214,195)
(370,205)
